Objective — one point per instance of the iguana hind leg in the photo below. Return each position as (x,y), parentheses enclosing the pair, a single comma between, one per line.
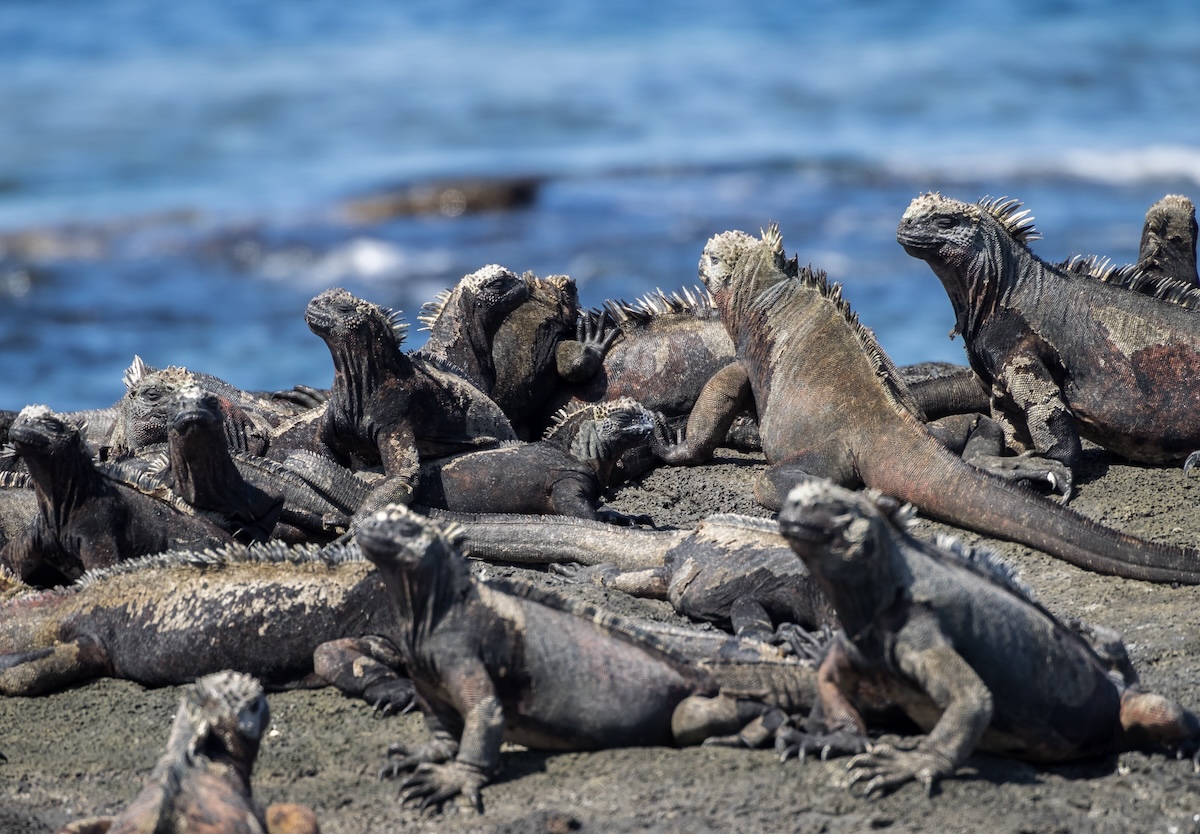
(44,670)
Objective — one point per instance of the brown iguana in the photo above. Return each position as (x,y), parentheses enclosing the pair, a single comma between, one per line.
(944,632)
(1064,356)
(202,782)
(386,408)
(86,519)
(491,664)
(830,405)
(291,616)
(564,473)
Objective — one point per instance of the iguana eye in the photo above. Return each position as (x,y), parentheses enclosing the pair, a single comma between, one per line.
(945,222)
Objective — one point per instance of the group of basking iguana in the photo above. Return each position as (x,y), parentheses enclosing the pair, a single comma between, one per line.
(195,533)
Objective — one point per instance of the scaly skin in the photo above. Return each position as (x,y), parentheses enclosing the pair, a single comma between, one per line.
(492,665)
(961,648)
(830,406)
(202,782)
(1168,247)
(85,519)
(278,613)
(1065,356)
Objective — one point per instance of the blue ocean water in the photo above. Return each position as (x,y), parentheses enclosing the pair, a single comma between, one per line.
(182,164)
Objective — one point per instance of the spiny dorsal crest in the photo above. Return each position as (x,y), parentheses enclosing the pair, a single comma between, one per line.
(395,320)
(568,419)
(1016,221)
(773,238)
(689,301)
(1132,277)
(134,373)
(984,561)
(431,311)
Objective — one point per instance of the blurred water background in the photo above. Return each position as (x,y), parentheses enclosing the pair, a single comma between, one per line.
(174,177)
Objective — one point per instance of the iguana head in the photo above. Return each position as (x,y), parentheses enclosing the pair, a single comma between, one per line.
(38,432)
(145,410)
(192,408)
(396,535)
(1168,244)
(487,294)
(338,316)
(221,718)
(601,431)
(735,267)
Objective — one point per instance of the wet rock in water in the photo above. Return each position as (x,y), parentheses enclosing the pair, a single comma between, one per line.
(447,197)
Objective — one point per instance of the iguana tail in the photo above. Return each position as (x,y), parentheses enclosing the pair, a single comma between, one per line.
(918,470)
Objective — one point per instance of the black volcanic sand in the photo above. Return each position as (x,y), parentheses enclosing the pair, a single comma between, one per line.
(86,751)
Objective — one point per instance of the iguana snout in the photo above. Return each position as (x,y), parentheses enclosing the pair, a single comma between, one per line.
(38,430)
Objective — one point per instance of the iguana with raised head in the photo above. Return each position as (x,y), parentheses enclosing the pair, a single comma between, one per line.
(564,473)
(831,406)
(1168,246)
(388,409)
(291,616)
(545,343)
(86,519)
(491,665)
(727,566)
(463,321)
(1065,356)
(945,633)
(202,781)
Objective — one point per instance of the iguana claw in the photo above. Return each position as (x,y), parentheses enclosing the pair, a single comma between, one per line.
(885,768)
(792,742)
(435,752)
(434,784)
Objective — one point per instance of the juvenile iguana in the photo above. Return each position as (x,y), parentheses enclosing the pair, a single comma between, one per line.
(564,473)
(202,781)
(463,321)
(945,633)
(86,519)
(387,408)
(491,665)
(830,405)
(1065,356)
(291,616)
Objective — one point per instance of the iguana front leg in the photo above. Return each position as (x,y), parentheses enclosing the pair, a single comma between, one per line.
(966,705)
(402,470)
(723,397)
(44,670)
(579,360)
(366,667)
(1029,403)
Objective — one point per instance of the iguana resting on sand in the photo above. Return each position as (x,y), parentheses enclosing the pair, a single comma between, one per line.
(1065,356)
(390,409)
(462,323)
(1168,247)
(730,570)
(949,637)
(490,665)
(86,519)
(542,344)
(830,405)
(295,616)
(202,782)
(564,473)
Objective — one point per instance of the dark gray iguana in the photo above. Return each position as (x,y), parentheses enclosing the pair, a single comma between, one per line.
(202,781)
(1168,246)
(946,634)
(291,616)
(86,519)
(386,408)
(1065,356)
(830,406)
(491,665)
(564,473)
(730,570)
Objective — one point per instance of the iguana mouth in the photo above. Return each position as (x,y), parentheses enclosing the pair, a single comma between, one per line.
(805,530)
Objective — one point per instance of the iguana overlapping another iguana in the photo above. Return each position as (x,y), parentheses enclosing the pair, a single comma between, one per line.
(298,616)
(491,665)
(830,405)
(86,519)
(1065,356)
(1168,246)
(946,634)
(202,782)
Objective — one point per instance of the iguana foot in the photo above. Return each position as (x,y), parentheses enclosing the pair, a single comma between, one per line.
(434,784)
(1039,473)
(401,758)
(884,768)
(804,644)
(395,697)
(620,519)
(603,575)
(792,742)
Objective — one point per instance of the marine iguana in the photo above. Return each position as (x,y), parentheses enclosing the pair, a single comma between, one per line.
(729,570)
(85,519)
(961,647)
(1065,357)
(291,616)
(491,665)
(830,405)
(542,344)
(390,409)
(463,320)
(1168,246)
(564,473)
(202,781)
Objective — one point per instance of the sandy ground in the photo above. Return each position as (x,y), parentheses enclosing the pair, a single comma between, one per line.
(87,750)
